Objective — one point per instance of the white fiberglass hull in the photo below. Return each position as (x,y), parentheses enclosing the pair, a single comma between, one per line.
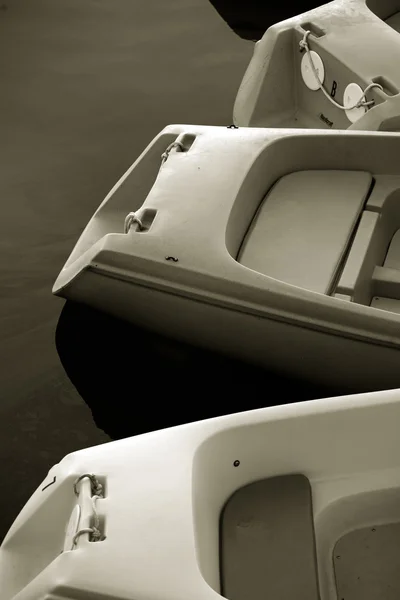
(279,247)
(168,499)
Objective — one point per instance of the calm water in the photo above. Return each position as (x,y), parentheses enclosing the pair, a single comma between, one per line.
(85,85)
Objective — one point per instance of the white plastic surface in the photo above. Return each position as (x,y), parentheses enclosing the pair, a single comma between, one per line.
(307,72)
(72,528)
(165,491)
(352,94)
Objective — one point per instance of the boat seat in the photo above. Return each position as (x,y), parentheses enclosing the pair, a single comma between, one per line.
(267,531)
(367,563)
(386,10)
(301,231)
(394,21)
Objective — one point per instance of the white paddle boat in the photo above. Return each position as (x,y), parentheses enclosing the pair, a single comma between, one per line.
(336,66)
(297,502)
(279,247)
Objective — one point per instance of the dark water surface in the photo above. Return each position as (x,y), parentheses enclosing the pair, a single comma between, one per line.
(85,85)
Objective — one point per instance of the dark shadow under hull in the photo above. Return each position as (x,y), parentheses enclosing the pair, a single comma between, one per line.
(251,18)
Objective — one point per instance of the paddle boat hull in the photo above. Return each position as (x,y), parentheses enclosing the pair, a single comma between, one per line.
(355,47)
(296,502)
(279,247)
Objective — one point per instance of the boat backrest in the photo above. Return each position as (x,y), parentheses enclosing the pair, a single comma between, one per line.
(267,541)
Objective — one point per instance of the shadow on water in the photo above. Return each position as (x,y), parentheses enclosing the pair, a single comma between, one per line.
(135,381)
(251,18)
